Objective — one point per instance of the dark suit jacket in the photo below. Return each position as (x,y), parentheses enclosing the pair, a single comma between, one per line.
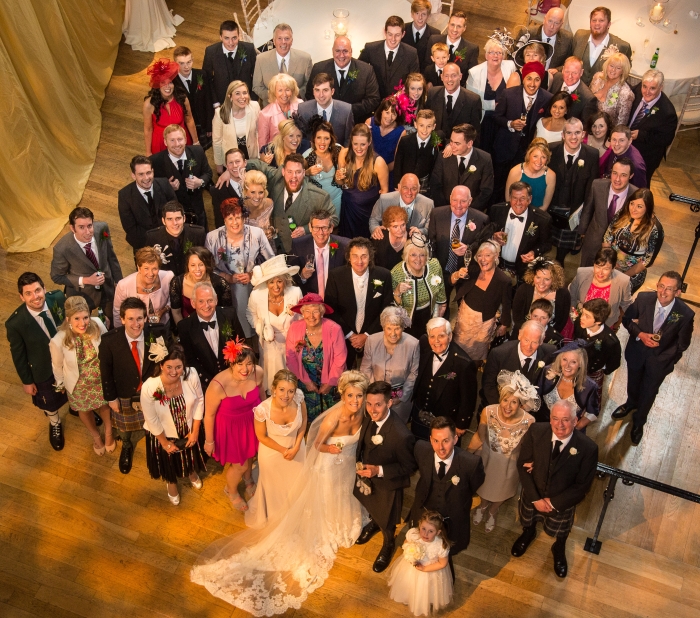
(362,91)
(656,131)
(587,398)
(677,330)
(505,356)
(341,119)
(69,263)
(540,241)
(466,109)
(120,376)
(423,44)
(340,295)
(509,145)
(563,46)
(388,77)
(303,246)
(192,236)
(566,480)
(222,73)
(570,192)
(134,213)
(407,160)
(468,50)
(197,349)
(581,51)
(585,103)
(469,470)
(446,177)
(431,75)
(218,196)
(455,397)
(200,98)
(29,345)
(440,231)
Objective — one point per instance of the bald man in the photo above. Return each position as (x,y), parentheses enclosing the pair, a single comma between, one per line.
(417,207)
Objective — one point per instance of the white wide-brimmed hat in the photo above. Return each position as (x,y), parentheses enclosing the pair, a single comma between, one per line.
(274,267)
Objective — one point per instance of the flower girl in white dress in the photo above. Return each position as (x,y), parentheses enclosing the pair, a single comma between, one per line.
(422,579)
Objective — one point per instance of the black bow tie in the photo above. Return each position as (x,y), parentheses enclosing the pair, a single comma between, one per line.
(512,216)
(207,325)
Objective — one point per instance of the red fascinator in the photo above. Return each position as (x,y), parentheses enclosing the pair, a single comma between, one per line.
(533,67)
(232,349)
(162,70)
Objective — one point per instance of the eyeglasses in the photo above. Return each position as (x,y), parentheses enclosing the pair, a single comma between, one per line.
(320,228)
(666,288)
(494,53)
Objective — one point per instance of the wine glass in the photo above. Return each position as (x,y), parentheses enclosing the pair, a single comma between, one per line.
(310,261)
(345,184)
(467,259)
(338,458)
(523,118)
(240,267)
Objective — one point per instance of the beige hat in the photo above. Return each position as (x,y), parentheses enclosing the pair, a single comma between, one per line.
(274,267)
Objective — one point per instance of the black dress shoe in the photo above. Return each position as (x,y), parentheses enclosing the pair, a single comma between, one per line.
(56,437)
(622,411)
(73,412)
(522,543)
(126,458)
(384,557)
(560,565)
(367,533)
(98,419)
(636,435)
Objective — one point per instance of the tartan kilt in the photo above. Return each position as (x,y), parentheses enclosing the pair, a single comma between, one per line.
(598,377)
(130,416)
(564,239)
(557,524)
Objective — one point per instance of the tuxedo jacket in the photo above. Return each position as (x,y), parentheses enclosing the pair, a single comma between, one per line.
(594,218)
(565,480)
(431,75)
(134,213)
(361,90)
(563,46)
(454,397)
(539,241)
(420,214)
(340,295)
(197,349)
(676,331)
(69,263)
(341,119)
(585,103)
(409,159)
(119,373)
(303,246)
(200,97)
(581,51)
(218,196)
(221,72)
(656,131)
(266,68)
(505,356)
(509,145)
(466,109)
(440,231)
(29,344)
(468,50)
(573,185)
(423,44)
(446,177)
(388,77)
(465,476)
(192,236)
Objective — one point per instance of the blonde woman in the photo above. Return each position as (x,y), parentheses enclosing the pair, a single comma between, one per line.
(534,171)
(76,368)
(283,101)
(287,141)
(235,125)
(610,88)
(258,203)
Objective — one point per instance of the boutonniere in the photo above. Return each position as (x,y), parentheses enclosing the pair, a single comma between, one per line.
(188,246)
(581,162)
(226,331)
(104,235)
(299,345)
(292,224)
(151,340)
(574,314)
(242,55)
(573,451)
(455,480)
(471,225)
(377,439)
(613,99)
(540,364)
(352,76)
(333,247)
(191,163)
(460,55)
(58,312)
(674,317)
(435,280)
(574,97)
(654,110)
(200,82)
(160,396)
(532,230)
(435,140)
(472,169)
(598,345)
(448,376)
(541,110)
(377,283)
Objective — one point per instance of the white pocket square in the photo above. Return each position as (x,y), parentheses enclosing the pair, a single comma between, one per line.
(377,295)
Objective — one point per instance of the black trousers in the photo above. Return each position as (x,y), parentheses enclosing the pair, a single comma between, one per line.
(645,375)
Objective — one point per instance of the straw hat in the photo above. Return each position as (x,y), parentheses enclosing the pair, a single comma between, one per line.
(274,267)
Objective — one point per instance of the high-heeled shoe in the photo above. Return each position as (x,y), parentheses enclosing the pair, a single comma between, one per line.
(110,449)
(174,500)
(490,523)
(248,485)
(197,484)
(99,451)
(237,503)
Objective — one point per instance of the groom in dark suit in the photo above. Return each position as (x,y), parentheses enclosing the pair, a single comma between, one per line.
(386,452)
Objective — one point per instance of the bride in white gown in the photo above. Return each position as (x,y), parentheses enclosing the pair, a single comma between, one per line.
(269,571)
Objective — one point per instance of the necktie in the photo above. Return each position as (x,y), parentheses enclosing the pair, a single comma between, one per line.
(320,274)
(557,449)
(342,79)
(659,320)
(48,323)
(526,364)
(360,317)
(288,203)
(612,208)
(181,167)
(452,49)
(417,37)
(208,325)
(565,88)
(529,104)
(390,59)
(451,265)
(440,357)
(91,255)
(549,39)
(422,147)
(373,428)
(569,161)
(441,470)
(325,117)
(137,360)
(230,57)
(151,203)
(640,116)
(439,72)
(283,66)
(448,107)
(514,216)
(188,83)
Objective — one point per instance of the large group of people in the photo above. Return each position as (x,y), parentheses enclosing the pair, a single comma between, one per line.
(305,342)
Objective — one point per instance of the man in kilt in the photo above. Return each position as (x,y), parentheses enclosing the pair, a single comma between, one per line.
(556,465)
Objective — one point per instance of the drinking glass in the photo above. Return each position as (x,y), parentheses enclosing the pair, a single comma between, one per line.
(310,261)
(339,457)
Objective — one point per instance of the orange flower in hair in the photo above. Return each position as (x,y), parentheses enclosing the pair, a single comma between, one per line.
(232,349)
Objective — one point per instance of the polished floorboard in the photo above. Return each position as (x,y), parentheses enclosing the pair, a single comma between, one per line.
(77,538)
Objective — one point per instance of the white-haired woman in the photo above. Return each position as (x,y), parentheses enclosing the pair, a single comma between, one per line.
(283,99)
(497,439)
(483,295)
(418,285)
(393,356)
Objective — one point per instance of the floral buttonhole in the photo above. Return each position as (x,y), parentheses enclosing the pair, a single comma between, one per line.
(377,439)
(573,451)
(581,162)
(540,364)
(471,225)
(455,480)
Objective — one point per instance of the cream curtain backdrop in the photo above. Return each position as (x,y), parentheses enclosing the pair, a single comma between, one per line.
(56,59)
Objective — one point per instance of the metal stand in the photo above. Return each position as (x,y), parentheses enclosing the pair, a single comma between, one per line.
(695,207)
(593,545)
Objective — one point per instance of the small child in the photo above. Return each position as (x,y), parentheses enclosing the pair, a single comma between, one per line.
(541,310)
(421,579)
(439,54)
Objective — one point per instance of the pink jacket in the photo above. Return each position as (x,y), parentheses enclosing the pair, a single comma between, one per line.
(334,351)
(270,116)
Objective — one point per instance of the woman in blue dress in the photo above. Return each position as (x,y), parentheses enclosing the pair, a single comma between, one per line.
(386,133)
(322,159)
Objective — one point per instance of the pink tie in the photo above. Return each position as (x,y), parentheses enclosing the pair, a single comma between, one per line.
(320,274)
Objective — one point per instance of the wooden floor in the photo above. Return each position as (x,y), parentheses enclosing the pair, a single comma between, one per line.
(77,538)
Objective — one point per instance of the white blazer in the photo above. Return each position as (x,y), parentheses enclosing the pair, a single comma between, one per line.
(476,82)
(224,135)
(258,314)
(157,416)
(64,360)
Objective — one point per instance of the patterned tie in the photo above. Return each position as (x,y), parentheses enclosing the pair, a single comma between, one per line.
(565,88)
(390,59)
(640,116)
(325,117)
(137,359)
(612,208)
(91,255)
(452,259)
(342,79)
(48,323)
(320,274)
(288,203)
(283,66)
(530,101)
(441,471)
(659,320)
(360,317)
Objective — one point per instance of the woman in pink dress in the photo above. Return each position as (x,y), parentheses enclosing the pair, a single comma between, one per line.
(163,106)
(229,423)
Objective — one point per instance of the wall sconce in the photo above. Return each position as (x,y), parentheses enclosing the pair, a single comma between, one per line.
(340,22)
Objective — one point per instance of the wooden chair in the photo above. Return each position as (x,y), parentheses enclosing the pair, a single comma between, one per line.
(251,12)
(689,117)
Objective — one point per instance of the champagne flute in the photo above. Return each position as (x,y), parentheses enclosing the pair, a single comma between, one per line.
(467,260)
(523,118)
(338,458)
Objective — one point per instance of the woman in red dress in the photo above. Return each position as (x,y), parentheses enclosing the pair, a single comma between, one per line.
(164,105)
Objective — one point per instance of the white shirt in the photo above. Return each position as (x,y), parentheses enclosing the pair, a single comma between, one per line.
(650,105)
(439,71)
(40,320)
(380,473)
(360,285)
(182,157)
(453,43)
(345,70)
(93,246)
(522,358)
(593,333)
(211,334)
(571,88)
(145,192)
(527,97)
(421,31)
(564,442)
(438,361)
(294,196)
(328,110)
(448,462)
(228,51)
(235,186)
(387,49)
(286,59)
(621,197)
(595,50)
(454,96)
(140,345)
(515,230)
(567,154)
(186,80)
(465,157)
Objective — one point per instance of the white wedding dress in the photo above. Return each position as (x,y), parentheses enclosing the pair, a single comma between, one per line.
(149,26)
(269,571)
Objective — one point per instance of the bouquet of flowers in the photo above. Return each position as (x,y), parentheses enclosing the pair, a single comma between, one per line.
(413,552)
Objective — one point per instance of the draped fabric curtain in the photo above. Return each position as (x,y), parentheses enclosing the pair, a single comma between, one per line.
(56,59)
